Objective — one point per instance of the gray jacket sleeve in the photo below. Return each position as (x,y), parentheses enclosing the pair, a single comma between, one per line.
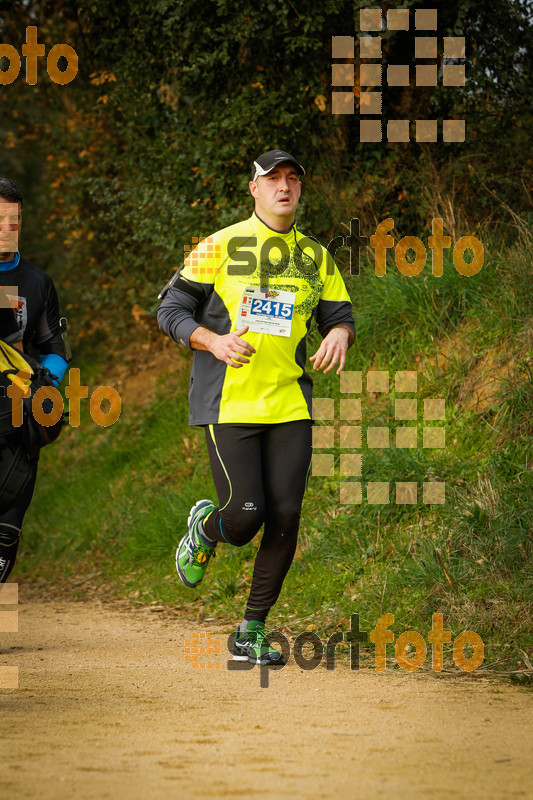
(176,314)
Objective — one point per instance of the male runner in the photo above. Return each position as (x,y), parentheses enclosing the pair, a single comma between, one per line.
(243,302)
(37,317)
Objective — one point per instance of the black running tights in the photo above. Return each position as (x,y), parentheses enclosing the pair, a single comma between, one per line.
(11,527)
(260,472)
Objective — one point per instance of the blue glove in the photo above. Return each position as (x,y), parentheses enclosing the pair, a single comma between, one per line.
(56,364)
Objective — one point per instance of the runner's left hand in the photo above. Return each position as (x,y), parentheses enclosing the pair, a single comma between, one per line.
(332,351)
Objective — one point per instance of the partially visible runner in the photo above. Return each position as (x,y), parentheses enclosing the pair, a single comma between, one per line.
(246,313)
(38,325)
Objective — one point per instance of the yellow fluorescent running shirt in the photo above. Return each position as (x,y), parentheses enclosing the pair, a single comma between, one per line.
(249,274)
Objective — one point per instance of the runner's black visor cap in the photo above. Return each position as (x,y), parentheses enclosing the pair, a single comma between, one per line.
(267,161)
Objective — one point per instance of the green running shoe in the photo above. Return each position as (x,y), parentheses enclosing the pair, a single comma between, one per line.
(192,555)
(253,645)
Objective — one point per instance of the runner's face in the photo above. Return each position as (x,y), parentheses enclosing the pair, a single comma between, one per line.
(277,195)
(10,219)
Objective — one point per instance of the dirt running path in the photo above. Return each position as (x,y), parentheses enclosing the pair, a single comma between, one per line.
(107,708)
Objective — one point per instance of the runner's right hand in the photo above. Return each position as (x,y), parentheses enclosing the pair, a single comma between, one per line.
(230,348)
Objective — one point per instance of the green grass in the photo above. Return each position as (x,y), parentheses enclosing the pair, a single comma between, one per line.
(111,504)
